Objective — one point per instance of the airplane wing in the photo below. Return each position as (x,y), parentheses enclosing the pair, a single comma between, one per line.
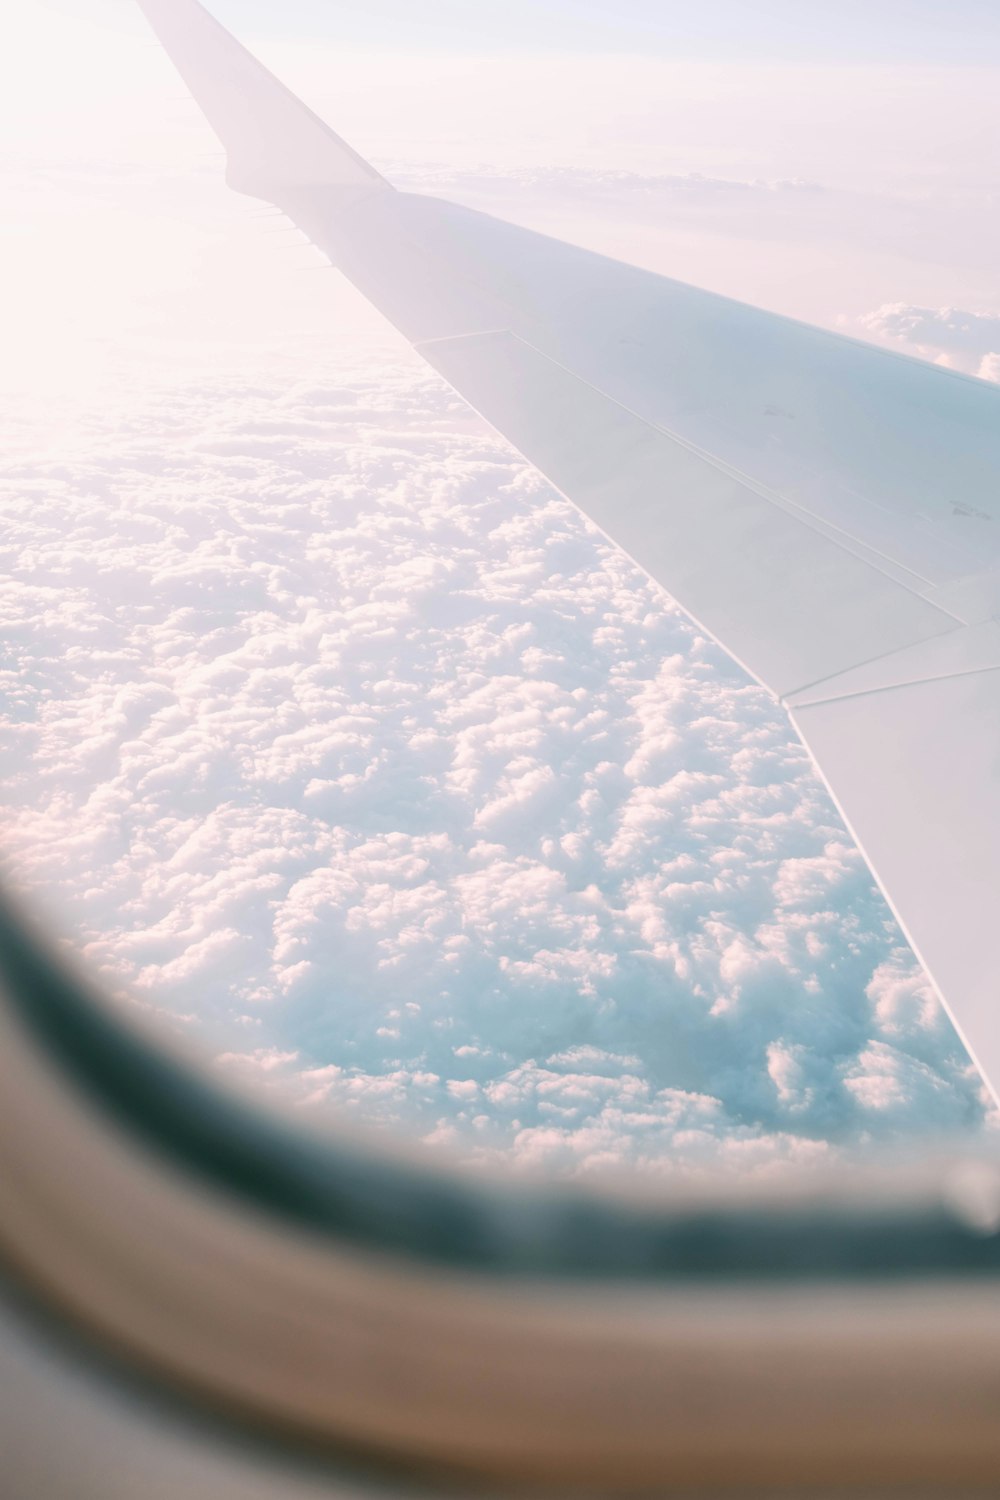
(829,512)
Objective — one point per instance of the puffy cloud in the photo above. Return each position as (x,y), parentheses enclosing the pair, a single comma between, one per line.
(969,341)
(336,733)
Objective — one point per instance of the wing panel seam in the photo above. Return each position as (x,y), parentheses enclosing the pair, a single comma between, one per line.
(885,687)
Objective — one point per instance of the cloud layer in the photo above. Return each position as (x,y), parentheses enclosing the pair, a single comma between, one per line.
(335,732)
(968,341)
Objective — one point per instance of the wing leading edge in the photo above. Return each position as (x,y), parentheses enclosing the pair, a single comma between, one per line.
(828,511)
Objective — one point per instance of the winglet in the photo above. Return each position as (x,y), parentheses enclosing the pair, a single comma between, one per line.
(273,141)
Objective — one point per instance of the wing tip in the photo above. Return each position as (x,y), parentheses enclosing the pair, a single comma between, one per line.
(274,142)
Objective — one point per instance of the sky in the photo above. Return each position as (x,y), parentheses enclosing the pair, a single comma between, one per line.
(864,30)
(966,31)
(335,737)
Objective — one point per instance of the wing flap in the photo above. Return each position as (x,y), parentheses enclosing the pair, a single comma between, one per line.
(915,770)
(789,602)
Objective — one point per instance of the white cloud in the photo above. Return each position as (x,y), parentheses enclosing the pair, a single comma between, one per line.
(329,719)
(968,341)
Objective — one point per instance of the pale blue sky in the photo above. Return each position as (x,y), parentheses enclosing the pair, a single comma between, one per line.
(884,30)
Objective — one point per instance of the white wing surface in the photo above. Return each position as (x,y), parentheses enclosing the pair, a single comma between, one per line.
(828,511)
